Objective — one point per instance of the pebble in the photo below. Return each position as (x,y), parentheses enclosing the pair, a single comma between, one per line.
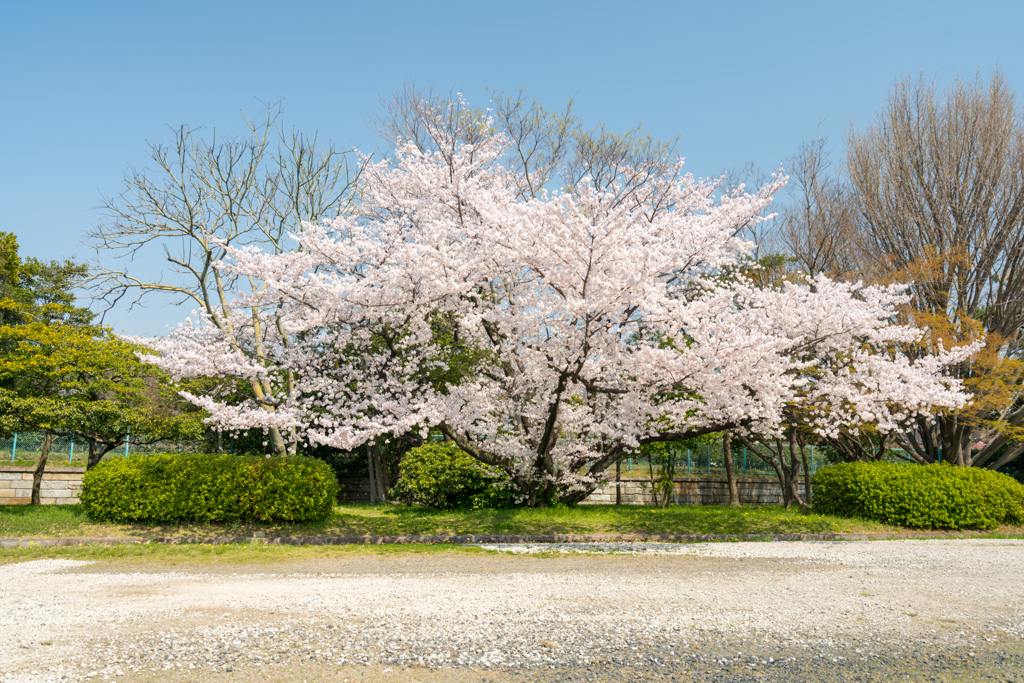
(594,612)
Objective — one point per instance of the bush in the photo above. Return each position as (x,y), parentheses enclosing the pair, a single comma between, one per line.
(444,477)
(169,487)
(920,496)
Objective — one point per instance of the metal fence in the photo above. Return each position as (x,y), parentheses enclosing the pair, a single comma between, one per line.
(26,447)
(708,460)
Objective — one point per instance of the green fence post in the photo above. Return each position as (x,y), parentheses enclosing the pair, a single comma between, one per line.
(71,451)
(812,459)
(708,449)
(744,460)
(687,460)
(127,440)
(14,446)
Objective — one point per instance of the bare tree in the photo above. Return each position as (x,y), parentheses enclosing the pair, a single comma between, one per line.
(201,194)
(939,178)
(818,225)
(763,232)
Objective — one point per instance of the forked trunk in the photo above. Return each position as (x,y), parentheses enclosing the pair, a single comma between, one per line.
(730,472)
(793,474)
(786,466)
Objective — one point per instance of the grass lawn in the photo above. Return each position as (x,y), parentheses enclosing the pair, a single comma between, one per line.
(69,521)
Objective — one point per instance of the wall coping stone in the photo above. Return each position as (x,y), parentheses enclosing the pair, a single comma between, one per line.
(31,468)
(491,538)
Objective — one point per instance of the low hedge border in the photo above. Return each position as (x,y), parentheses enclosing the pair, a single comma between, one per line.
(936,496)
(172,487)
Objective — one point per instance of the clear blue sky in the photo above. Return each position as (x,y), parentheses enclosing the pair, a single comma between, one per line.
(84,85)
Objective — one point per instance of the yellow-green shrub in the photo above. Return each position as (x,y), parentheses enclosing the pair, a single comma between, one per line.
(170,487)
(442,476)
(920,496)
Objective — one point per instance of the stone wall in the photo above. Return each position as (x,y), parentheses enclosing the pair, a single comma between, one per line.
(692,491)
(688,491)
(60,485)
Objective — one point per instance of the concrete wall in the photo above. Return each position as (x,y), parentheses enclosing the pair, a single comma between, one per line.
(60,485)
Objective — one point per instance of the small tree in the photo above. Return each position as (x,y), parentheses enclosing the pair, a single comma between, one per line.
(67,377)
(202,194)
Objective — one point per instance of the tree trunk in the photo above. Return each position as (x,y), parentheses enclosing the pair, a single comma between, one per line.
(277,441)
(668,478)
(730,473)
(618,481)
(807,476)
(220,447)
(793,472)
(96,454)
(654,484)
(378,492)
(37,476)
(787,469)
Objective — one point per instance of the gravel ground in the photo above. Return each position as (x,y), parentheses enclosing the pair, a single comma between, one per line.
(816,611)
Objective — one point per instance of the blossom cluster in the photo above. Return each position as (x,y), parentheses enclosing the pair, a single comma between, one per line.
(549,336)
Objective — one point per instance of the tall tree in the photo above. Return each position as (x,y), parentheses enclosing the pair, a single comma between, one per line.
(939,177)
(598,317)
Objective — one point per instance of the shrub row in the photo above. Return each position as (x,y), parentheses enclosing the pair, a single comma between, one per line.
(209,488)
(920,496)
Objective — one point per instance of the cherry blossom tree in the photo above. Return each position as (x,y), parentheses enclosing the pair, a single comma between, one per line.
(548,335)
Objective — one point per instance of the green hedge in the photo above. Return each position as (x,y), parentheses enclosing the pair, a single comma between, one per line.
(443,476)
(920,496)
(172,487)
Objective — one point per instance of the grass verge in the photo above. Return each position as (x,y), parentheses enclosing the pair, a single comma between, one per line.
(225,554)
(70,521)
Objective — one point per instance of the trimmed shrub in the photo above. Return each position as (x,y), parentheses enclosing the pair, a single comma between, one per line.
(443,476)
(920,496)
(174,487)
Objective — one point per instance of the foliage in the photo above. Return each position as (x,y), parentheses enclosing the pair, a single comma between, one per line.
(443,476)
(927,496)
(209,488)
(64,375)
